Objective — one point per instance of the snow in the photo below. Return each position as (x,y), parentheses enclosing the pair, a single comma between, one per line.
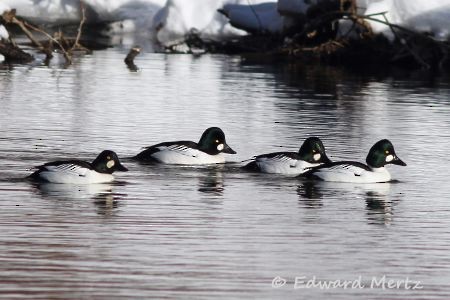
(172,19)
(3,33)
(431,16)
(178,17)
(257,18)
(68,11)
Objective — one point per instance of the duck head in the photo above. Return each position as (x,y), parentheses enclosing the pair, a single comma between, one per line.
(383,153)
(213,142)
(313,151)
(108,162)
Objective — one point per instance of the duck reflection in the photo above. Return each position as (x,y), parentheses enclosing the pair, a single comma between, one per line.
(310,195)
(107,203)
(212,183)
(379,204)
(102,194)
(378,197)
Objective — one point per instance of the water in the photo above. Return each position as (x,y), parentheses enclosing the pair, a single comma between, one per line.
(196,233)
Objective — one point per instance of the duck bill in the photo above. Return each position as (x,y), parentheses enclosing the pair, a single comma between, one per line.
(121,167)
(227,149)
(398,161)
(325,159)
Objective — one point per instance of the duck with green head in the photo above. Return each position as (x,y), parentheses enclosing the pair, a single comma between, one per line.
(75,171)
(381,154)
(311,154)
(208,150)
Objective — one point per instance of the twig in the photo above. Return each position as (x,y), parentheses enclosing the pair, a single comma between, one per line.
(405,44)
(66,55)
(10,17)
(76,44)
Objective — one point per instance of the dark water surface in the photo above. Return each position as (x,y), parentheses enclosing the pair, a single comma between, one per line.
(198,233)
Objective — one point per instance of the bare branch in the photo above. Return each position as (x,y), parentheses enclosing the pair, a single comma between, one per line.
(76,44)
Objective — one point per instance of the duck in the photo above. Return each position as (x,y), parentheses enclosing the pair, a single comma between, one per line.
(209,150)
(381,154)
(311,154)
(78,171)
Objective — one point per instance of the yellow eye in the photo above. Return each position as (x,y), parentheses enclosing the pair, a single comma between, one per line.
(314,151)
(387,151)
(217,141)
(108,157)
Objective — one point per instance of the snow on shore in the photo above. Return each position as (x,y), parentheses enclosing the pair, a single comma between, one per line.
(175,18)
(431,16)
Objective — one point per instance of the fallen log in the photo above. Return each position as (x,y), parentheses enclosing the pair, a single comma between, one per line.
(12,53)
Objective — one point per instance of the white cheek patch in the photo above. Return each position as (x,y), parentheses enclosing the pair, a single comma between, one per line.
(220,147)
(110,164)
(316,156)
(389,158)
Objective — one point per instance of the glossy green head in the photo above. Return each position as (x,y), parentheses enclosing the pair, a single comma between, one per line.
(107,162)
(213,142)
(382,153)
(313,151)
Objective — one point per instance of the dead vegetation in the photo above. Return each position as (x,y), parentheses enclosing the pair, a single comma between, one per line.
(319,35)
(56,42)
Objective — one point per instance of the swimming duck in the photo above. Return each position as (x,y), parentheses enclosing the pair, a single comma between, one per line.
(381,154)
(207,151)
(80,172)
(311,154)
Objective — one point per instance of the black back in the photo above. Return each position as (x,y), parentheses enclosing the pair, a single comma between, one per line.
(146,155)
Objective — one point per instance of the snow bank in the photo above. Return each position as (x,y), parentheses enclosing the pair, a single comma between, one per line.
(3,33)
(46,11)
(256,18)
(432,16)
(68,11)
(179,17)
(175,18)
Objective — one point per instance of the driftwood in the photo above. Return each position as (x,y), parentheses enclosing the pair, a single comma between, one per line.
(129,59)
(12,53)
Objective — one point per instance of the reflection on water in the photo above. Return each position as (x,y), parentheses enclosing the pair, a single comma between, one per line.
(102,195)
(212,182)
(378,197)
(310,194)
(183,232)
(71,191)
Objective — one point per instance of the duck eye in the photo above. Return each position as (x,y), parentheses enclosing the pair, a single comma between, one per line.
(217,141)
(108,157)
(387,151)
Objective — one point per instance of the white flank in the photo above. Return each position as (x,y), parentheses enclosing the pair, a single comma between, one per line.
(68,173)
(182,155)
(281,164)
(350,173)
